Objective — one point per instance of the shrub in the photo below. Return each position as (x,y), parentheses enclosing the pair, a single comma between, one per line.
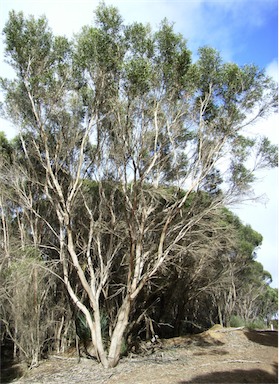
(237,321)
(257,324)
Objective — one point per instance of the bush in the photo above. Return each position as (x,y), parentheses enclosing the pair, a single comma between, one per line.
(237,321)
(257,324)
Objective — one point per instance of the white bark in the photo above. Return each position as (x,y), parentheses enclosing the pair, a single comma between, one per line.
(117,336)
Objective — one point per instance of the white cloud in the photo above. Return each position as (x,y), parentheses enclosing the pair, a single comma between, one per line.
(8,129)
(272,70)
(265,127)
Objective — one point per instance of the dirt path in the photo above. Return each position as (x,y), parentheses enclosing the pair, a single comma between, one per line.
(216,356)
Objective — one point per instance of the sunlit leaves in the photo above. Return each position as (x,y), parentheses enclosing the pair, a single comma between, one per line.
(108,19)
(139,76)
(173,58)
(28,43)
(267,153)
(231,92)
(5,149)
(242,148)
(139,40)
(241,177)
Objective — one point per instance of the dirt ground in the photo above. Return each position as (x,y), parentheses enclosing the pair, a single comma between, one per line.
(220,355)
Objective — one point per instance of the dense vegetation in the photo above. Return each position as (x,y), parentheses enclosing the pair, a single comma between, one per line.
(114,196)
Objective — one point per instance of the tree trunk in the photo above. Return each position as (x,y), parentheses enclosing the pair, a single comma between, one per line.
(96,329)
(58,333)
(220,315)
(117,336)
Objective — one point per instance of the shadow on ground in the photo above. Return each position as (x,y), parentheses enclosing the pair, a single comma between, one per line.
(237,376)
(9,370)
(267,338)
(213,352)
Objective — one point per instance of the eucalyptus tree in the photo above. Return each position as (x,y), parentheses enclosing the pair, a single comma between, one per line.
(126,131)
(227,296)
(253,290)
(5,158)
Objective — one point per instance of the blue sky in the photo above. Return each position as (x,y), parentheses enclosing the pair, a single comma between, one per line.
(244,31)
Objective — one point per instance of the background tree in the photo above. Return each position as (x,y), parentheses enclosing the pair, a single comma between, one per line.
(127,132)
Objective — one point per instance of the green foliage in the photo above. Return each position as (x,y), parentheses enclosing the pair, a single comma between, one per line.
(256,324)
(5,149)
(138,72)
(267,153)
(82,329)
(28,42)
(242,147)
(110,64)
(249,240)
(108,19)
(173,58)
(124,348)
(208,68)
(237,321)
(139,40)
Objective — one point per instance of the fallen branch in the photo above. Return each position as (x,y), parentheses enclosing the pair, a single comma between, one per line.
(61,357)
(232,361)
(243,361)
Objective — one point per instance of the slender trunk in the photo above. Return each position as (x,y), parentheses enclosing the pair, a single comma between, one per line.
(99,344)
(6,245)
(58,335)
(220,315)
(64,339)
(15,341)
